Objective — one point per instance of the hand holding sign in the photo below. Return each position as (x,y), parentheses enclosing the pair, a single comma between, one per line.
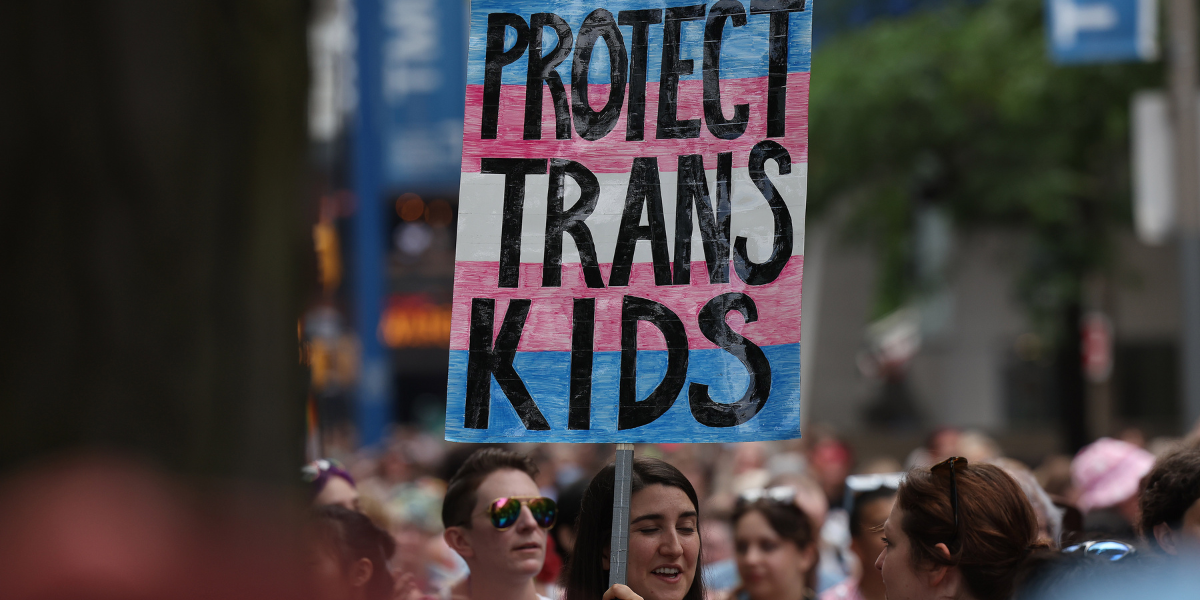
(620,592)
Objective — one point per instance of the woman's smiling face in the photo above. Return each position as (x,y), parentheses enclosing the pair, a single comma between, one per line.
(664,543)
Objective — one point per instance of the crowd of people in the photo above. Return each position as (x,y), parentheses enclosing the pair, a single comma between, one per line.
(801,519)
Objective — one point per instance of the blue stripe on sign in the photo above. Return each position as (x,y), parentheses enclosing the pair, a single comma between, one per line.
(743,51)
(547,376)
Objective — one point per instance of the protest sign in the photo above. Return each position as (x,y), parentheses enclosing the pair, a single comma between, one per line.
(631,222)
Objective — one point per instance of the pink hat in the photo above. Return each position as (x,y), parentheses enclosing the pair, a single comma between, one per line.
(1107,472)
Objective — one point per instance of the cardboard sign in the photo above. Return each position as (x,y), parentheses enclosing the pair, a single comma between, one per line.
(631,222)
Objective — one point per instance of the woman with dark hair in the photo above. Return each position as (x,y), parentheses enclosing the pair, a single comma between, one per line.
(329,483)
(776,547)
(664,538)
(348,556)
(957,531)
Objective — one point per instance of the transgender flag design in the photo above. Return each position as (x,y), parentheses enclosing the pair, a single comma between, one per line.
(631,222)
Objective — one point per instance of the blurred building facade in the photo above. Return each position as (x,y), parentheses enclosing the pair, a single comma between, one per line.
(977,363)
(986,368)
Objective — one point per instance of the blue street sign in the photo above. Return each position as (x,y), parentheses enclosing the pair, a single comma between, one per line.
(424,66)
(374,397)
(1095,31)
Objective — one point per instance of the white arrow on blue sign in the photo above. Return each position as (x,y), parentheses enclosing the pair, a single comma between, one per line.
(1083,31)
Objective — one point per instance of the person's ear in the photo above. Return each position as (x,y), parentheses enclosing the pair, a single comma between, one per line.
(937,575)
(456,537)
(808,558)
(605,556)
(361,571)
(1165,536)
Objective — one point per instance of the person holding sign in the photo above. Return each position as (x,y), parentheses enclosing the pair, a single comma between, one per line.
(664,538)
(496,520)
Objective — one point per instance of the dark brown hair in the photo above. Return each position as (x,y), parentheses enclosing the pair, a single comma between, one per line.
(859,508)
(1172,486)
(787,520)
(352,536)
(460,492)
(584,577)
(997,528)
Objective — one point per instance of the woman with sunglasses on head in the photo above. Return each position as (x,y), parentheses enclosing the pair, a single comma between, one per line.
(776,547)
(957,531)
(330,483)
(870,500)
(664,538)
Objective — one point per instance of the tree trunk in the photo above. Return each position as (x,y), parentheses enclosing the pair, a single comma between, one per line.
(151,201)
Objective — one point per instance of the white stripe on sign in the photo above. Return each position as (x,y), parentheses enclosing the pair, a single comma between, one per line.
(481,206)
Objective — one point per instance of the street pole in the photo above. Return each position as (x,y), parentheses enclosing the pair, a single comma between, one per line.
(1183,81)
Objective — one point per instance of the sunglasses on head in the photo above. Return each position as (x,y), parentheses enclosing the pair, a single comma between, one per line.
(1110,549)
(504,512)
(948,466)
(319,468)
(862,484)
(858,485)
(780,494)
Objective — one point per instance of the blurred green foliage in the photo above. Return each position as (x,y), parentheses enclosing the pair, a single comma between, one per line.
(960,108)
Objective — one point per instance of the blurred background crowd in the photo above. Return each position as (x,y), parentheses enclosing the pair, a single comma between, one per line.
(1093,495)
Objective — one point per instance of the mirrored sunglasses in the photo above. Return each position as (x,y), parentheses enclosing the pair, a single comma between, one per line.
(504,512)
(1110,549)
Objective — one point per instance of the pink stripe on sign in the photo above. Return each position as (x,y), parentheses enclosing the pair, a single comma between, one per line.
(612,153)
(548,326)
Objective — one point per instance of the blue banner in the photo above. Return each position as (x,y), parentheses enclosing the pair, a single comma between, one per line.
(424,77)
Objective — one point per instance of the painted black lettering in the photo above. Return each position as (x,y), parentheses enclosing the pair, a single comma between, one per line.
(583,332)
(712,324)
(485,361)
(494,61)
(590,124)
(781,246)
(644,193)
(669,127)
(541,68)
(514,171)
(777,59)
(631,412)
(559,221)
(693,190)
(640,20)
(718,125)
(724,207)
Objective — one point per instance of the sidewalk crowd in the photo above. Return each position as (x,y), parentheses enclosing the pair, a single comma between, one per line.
(800,519)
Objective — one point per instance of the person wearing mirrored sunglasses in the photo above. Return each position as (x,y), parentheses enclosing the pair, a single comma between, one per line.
(497,519)
(957,531)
